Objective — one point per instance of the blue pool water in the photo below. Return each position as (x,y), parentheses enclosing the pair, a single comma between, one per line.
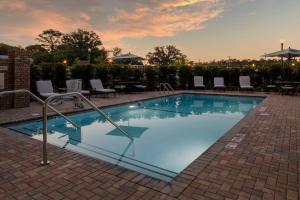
(169,133)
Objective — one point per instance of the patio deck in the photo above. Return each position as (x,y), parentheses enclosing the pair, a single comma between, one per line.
(264,165)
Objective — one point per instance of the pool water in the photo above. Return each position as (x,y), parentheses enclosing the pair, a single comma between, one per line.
(169,133)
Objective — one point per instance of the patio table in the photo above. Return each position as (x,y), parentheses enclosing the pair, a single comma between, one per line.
(129,85)
(288,87)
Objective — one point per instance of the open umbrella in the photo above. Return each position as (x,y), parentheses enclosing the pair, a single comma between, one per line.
(129,57)
(288,53)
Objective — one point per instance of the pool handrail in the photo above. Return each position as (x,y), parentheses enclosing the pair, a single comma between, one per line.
(40,101)
(169,86)
(166,88)
(45,160)
(49,99)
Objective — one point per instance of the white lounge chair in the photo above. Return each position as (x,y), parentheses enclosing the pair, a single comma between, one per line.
(75,85)
(198,82)
(97,87)
(245,82)
(45,88)
(219,82)
(140,87)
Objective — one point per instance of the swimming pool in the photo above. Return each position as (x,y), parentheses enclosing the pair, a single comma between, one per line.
(169,133)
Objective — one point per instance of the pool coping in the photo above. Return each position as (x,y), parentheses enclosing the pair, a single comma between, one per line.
(190,173)
(33,118)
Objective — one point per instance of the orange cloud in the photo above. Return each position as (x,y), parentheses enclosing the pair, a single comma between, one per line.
(137,19)
(16,5)
(84,16)
(162,19)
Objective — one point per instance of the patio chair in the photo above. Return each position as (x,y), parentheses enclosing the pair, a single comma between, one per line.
(140,87)
(120,87)
(97,87)
(198,82)
(75,85)
(45,90)
(245,82)
(219,83)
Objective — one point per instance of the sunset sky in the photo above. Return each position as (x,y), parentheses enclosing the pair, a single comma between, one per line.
(203,29)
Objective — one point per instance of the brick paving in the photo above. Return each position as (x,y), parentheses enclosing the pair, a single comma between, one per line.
(264,165)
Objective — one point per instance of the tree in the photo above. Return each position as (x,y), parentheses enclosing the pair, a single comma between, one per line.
(102,57)
(35,48)
(116,51)
(82,41)
(165,55)
(50,39)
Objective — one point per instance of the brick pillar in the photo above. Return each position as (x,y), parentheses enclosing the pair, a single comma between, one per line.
(17,76)
(21,77)
(6,102)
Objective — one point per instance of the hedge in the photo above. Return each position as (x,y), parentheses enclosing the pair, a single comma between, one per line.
(177,76)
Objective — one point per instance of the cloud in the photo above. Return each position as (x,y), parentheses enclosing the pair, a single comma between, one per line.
(113,20)
(8,5)
(161,18)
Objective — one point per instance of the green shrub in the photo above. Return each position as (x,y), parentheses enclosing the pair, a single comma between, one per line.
(83,72)
(35,75)
(151,74)
(56,72)
(247,71)
(168,74)
(185,76)
(233,76)
(103,72)
(138,74)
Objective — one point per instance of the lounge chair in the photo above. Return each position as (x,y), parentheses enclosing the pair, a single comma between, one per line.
(219,83)
(75,85)
(97,87)
(120,87)
(198,82)
(45,90)
(245,82)
(140,87)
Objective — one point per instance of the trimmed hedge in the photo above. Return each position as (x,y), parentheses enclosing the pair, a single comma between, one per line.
(177,76)
(56,72)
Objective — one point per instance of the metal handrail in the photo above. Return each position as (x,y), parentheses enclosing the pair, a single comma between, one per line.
(166,87)
(169,86)
(45,106)
(162,86)
(40,101)
(93,106)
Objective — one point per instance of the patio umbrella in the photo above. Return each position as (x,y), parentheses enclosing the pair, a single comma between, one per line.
(127,58)
(288,53)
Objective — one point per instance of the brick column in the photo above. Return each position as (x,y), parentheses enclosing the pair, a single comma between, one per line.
(6,102)
(17,76)
(21,77)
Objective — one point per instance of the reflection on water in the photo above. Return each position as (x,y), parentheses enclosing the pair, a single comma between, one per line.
(169,133)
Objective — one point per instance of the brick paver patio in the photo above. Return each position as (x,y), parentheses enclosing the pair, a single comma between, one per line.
(264,165)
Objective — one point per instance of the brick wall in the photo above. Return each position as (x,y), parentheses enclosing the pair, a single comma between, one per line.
(17,76)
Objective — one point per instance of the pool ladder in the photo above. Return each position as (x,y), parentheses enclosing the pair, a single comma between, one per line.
(165,88)
(46,105)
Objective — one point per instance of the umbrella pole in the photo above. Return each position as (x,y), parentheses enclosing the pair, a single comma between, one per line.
(282,56)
